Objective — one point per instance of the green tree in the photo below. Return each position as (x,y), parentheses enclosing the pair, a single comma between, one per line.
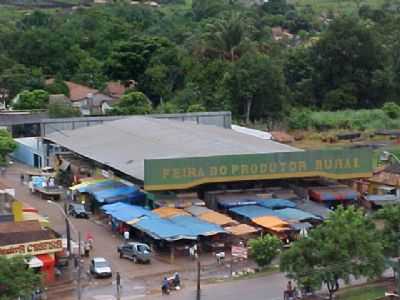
(133,103)
(18,77)
(392,110)
(62,110)
(36,99)
(390,234)
(163,75)
(256,87)
(7,145)
(264,249)
(348,54)
(16,280)
(196,108)
(347,244)
(226,37)
(129,60)
(57,87)
(206,8)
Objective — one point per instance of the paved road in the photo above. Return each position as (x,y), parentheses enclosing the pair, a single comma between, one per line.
(262,288)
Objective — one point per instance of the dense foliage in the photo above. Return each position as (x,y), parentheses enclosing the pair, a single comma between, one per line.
(16,280)
(346,245)
(7,145)
(264,249)
(212,55)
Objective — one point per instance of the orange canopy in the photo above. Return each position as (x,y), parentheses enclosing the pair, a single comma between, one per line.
(169,212)
(273,223)
(216,218)
(241,229)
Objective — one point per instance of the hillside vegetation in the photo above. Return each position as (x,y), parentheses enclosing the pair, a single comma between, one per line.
(262,62)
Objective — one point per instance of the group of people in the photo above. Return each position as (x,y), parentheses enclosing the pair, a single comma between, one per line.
(168,284)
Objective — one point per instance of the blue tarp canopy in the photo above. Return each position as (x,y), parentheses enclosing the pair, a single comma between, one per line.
(163,229)
(116,192)
(97,186)
(179,227)
(333,194)
(293,214)
(234,202)
(126,212)
(197,226)
(253,211)
(276,203)
(110,191)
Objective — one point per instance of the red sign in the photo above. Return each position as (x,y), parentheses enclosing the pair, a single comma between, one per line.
(32,248)
(239,251)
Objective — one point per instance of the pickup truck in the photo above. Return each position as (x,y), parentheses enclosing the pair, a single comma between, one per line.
(137,252)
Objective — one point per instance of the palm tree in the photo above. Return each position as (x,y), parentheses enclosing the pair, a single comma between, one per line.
(226,37)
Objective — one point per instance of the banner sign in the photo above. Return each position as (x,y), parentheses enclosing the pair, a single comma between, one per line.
(239,251)
(183,173)
(32,248)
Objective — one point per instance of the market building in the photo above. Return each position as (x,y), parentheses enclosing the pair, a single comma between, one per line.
(244,185)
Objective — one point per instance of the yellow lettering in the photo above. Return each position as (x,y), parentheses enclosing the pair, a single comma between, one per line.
(223,170)
(302,166)
(283,166)
(244,169)
(319,165)
(356,163)
(253,169)
(328,164)
(338,164)
(235,169)
(263,168)
(176,173)
(292,166)
(272,167)
(200,172)
(213,171)
(347,164)
(191,172)
(165,173)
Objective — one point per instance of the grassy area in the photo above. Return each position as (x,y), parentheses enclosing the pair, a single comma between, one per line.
(362,293)
(343,6)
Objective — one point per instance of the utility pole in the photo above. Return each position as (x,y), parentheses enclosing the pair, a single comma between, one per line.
(198,294)
(68,237)
(79,266)
(118,286)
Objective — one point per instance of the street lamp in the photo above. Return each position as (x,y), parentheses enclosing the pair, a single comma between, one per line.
(67,224)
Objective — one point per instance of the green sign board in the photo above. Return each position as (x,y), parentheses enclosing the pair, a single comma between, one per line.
(183,173)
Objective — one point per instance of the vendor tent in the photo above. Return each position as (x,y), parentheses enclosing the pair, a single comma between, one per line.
(322,194)
(235,202)
(127,213)
(241,229)
(252,211)
(293,214)
(176,228)
(216,218)
(169,212)
(272,223)
(197,210)
(276,203)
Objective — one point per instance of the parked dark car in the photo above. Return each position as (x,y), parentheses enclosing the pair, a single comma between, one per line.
(137,252)
(100,268)
(78,211)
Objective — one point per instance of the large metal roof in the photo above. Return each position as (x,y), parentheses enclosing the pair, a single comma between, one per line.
(125,144)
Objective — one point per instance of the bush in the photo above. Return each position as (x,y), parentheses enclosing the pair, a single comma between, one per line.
(299,119)
(392,110)
(264,249)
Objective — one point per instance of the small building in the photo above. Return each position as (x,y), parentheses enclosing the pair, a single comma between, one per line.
(29,151)
(90,101)
(28,238)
